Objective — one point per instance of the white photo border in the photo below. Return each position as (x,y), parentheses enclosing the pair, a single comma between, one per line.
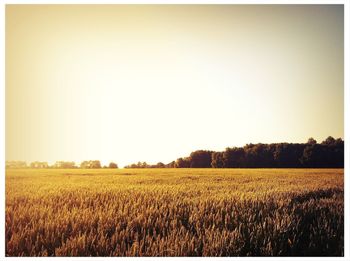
(346,4)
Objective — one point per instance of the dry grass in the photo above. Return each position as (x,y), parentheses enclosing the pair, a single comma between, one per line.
(175,212)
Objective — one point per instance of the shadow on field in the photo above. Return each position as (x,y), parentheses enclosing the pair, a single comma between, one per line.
(314,195)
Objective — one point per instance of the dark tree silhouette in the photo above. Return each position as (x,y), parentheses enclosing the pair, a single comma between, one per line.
(182,163)
(311,141)
(327,154)
(234,158)
(217,160)
(200,159)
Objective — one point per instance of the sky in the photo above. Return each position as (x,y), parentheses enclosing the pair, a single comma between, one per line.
(128,83)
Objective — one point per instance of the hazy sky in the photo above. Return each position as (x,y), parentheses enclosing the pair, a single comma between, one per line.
(153,83)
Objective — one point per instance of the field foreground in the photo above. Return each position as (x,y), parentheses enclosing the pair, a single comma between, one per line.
(175,212)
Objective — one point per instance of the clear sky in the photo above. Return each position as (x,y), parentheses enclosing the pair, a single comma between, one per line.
(153,83)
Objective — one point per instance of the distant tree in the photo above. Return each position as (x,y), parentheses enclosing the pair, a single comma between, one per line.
(258,155)
(113,165)
(160,165)
(96,164)
(170,165)
(15,165)
(337,153)
(217,160)
(64,165)
(234,158)
(131,166)
(334,152)
(200,159)
(339,142)
(139,164)
(91,164)
(84,165)
(313,156)
(311,141)
(39,165)
(288,155)
(329,141)
(182,163)
(330,153)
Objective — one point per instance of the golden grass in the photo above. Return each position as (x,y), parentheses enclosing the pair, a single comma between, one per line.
(174,212)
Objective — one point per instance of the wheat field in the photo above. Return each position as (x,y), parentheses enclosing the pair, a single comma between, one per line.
(175,212)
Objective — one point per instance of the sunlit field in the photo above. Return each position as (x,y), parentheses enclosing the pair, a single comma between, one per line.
(175,212)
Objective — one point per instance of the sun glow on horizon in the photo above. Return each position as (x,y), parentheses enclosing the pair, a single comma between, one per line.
(128,83)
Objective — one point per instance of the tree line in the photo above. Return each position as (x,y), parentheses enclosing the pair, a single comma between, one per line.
(90,164)
(327,154)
